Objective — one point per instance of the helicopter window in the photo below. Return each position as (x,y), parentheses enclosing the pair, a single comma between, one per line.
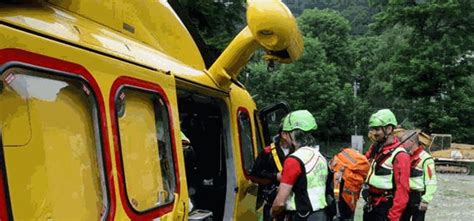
(52,146)
(245,138)
(146,149)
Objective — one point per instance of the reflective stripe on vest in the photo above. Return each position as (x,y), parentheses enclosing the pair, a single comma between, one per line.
(417,176)
(316,174)
(381,177)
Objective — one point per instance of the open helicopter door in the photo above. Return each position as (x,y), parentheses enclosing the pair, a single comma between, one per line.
(270,118)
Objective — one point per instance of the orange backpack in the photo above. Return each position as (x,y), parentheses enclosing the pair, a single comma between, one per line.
(352,167)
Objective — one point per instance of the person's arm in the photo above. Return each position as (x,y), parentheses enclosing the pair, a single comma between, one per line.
(284,191)
(291,172)
(401,176)
(430,181)
(259,173)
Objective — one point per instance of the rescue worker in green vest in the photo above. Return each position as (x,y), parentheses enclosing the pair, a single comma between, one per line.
(301,193)
(422,178)
(388,177)
(266,172)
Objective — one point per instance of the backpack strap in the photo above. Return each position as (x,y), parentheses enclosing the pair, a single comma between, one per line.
(337,179)
(276,159)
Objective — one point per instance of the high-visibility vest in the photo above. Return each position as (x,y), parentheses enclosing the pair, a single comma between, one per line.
(316,174)
(417,173)
(381,176)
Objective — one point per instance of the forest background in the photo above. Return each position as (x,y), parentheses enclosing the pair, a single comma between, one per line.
(412,56)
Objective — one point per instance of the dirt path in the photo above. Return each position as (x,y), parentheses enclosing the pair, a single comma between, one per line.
(453,201)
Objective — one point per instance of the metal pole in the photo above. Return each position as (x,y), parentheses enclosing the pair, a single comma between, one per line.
(355,86)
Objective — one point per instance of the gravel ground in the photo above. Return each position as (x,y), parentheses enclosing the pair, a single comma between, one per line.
(453,201)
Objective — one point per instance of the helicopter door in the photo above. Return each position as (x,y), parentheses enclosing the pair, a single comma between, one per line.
(144,123)
(270,118)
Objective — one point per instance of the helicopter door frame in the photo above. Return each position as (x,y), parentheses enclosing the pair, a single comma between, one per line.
(264,118)
(142,86)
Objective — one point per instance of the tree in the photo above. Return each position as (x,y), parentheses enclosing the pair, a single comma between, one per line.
(333,31)
(433,72)
(358,12)
(416,58)
(317,81)
(309,83)
(212,24)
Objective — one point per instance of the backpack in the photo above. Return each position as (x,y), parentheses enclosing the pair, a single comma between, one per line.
(351,168)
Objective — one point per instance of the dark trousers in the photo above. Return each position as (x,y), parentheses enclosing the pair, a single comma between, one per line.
(412,210)
(378,212)
(345,211)
(319,215)
(266,213)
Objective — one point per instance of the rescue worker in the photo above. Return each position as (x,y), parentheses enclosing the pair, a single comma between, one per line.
(266,171)
(422,178)
(387,183)
(301,193)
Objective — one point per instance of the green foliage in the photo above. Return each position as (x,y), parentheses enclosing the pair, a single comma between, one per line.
(357,12)
(432,72)
(213,24)
(374,60)
(332,30)
(414,57)
(418,62)
(360,18)
(217,21)
(314,82)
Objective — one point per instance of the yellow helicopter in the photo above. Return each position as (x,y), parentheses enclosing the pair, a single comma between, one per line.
(94,96)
